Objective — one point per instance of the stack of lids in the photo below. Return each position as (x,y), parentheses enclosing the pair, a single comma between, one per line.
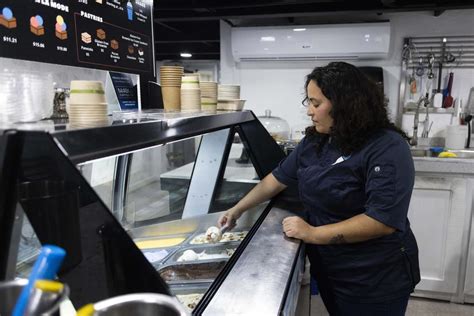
(208,95)
(87,105)
(190,93)
(170,80)
(229,98)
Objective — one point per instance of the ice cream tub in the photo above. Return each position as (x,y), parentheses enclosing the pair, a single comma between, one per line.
(157,242)
(189,294)
(157,256)
(183,272)
(200,238)
(203,253)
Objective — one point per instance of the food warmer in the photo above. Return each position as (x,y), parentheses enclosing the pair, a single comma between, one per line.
(130,200)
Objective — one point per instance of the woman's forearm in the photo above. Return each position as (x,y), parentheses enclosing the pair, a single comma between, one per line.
(356,229)
(266,189)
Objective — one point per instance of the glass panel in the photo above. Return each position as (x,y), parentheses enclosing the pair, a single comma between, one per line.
(239,177)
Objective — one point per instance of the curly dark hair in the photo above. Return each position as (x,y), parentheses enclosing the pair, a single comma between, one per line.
(359,107)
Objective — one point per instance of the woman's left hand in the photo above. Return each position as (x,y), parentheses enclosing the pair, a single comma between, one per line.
(296,227)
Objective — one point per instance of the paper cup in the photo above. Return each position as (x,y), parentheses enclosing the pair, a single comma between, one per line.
(87,92)
(171,98)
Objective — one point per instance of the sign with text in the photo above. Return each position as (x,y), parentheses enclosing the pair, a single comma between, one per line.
(102,34)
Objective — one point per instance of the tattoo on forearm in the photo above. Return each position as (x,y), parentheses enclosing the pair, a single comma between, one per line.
(338,239)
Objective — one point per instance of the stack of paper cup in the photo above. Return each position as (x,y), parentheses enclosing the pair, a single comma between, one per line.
(87,105)
(208,95)
(190,93)
(170,80)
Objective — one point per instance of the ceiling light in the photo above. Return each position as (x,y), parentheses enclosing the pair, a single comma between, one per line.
(186,55)
(267,38)
(301,29)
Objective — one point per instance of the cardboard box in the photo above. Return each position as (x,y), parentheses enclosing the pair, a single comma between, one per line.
(61,35)
(9,24)
(37,30)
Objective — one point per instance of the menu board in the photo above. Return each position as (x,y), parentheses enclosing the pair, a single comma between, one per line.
(103,34)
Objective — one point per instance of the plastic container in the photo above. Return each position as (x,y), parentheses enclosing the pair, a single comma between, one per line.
(456,136)
(276,126)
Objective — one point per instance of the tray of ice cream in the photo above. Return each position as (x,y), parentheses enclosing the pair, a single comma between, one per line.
(189,294)
(203,253)
(191,272)
(158,249)
(201,238)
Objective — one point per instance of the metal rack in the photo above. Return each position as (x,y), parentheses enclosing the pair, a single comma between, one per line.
(458,52)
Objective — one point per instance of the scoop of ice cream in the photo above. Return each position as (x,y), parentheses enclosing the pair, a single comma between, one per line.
(188,255)
(7,13)
(213,234)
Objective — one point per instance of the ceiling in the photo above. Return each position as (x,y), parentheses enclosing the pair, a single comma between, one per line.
(192,26)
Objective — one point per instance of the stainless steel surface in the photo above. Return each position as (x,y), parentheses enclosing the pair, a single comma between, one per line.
(208,249)
(207,172)
(256,284)
(43,303)
(420,151)
(194,272)
(463,153)
(142,304)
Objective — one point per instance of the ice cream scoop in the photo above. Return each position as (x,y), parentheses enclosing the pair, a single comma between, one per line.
(214,234)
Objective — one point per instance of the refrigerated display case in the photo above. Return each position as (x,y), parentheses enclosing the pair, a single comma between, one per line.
(131,200)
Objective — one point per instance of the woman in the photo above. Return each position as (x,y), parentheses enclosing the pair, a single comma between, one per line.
(355,176)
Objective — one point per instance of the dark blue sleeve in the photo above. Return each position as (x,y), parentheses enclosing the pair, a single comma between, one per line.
(390,175)
(286,172)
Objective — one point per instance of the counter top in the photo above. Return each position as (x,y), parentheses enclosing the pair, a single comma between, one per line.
(458,166)
(256,284)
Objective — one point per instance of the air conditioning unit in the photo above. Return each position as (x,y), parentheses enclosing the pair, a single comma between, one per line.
(310,42)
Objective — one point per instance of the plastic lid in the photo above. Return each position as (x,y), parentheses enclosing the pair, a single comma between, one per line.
(436,149)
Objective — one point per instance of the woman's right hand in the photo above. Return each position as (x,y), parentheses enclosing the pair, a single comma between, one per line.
(229,218)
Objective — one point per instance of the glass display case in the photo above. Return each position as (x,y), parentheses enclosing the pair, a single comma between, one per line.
(131,202)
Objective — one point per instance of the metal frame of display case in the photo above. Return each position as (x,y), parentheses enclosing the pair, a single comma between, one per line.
(101,253)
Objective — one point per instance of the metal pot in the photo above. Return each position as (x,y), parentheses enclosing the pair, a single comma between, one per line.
(143,304)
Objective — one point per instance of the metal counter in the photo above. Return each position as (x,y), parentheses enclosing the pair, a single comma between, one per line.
(267,270)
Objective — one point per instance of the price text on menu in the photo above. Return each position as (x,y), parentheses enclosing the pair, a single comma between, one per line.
(102,34)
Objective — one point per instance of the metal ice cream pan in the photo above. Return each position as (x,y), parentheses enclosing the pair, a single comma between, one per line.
(195,272)
(208,249)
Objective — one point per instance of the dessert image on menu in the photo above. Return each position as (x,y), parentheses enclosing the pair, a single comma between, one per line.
(114,44)
(140,51)
(61,27)
(36,25)
(86,37)
(101,34)
(131,49)
(7,19)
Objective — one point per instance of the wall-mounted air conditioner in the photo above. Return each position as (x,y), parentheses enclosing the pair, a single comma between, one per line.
(310,42)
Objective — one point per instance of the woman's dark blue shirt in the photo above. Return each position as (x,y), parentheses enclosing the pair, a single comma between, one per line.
(376,180)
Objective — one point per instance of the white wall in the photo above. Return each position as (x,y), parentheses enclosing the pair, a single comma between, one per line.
(278,85)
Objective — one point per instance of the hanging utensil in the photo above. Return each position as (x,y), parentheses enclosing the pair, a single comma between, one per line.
(448,101)
(412,82)
(431,60)
(438,98)
(420,70)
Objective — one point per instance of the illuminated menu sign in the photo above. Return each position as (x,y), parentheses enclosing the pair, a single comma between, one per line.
(104,34)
